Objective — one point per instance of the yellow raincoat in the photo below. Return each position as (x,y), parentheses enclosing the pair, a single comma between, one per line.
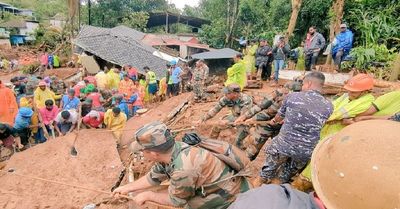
(113,79)
(343,108)
(41,96)
(162,86)
(116,124)
(146,91)
(237,74)
(249,58)
(101,80)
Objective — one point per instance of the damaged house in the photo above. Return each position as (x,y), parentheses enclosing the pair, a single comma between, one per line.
(120,46)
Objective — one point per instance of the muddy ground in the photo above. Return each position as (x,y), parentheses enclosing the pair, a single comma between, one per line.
(97,166)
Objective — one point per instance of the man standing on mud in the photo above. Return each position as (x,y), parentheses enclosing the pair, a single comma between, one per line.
(198,179)
(199,78)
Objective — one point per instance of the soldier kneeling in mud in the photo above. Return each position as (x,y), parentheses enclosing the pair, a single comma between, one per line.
(198,179)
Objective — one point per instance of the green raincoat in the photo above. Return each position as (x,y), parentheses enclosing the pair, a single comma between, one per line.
(237,74)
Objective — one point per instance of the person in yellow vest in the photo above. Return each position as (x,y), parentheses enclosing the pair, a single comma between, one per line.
(115,120)
(43,93)
(151,82)
(346,108)
(237,73)
(383,107)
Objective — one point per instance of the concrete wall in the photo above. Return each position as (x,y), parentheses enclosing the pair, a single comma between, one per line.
(30,28)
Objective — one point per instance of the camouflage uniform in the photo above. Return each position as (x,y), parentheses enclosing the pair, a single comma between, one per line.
(396,117)
(198,179)
(200,75)
(238,107)
(265,111)
(304,115)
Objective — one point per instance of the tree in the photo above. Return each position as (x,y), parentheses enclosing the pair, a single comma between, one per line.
(334,27)
(137,20)
(296,4)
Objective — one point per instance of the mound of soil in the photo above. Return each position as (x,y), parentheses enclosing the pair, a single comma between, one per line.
(96,166)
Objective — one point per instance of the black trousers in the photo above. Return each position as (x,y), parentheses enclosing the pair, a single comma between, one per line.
(310,60)
(24,135)
(265,68)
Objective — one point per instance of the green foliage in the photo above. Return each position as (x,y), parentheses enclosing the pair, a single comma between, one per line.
(137,20)
(6,16)
(376,25)
(213,34)
(31,68)
(364,57)
(43,9)
(49,36)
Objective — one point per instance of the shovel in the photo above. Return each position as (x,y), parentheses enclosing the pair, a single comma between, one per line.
(73,151)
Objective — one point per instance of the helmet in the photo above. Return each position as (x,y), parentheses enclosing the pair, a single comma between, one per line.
(359,167)
(360,82)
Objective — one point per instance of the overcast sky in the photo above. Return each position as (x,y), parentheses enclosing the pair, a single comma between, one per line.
(181,3)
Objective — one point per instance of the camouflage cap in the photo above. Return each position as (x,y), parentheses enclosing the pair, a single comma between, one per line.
(154,136)
(233,87)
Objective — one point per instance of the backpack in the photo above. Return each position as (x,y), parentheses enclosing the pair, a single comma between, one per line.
(227,153)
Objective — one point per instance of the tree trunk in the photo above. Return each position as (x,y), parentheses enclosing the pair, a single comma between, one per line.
(232,17)
(296,5)
(334,27)
(394,76)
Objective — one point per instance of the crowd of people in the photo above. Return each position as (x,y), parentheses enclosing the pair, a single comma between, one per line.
(260,55)
(41,108)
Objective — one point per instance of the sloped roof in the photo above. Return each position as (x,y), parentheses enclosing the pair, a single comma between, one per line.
(15,23)
(120,46)
(224,53)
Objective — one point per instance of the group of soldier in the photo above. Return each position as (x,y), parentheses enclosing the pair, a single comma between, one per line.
(292,116)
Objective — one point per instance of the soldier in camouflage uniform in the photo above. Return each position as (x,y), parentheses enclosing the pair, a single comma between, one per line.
(198,179)
(265,111)
(239,103)
(303,114)
(199,79)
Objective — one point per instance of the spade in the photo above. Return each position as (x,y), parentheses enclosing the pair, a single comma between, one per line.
(73,151)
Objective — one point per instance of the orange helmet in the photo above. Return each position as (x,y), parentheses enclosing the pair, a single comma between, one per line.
(360,82)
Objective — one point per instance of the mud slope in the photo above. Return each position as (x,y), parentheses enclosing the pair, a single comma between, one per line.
(97,166)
